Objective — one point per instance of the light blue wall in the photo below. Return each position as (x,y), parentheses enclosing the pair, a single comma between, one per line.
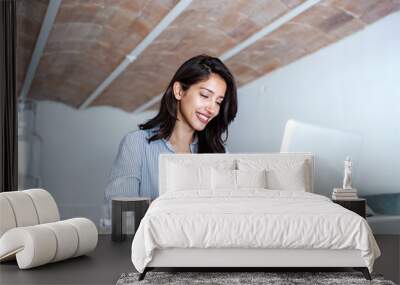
(352,85)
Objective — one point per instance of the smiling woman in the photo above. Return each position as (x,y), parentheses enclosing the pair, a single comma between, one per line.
(200,100)
(196,109)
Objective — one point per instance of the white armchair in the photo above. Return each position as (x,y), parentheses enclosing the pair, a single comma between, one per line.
(31,230)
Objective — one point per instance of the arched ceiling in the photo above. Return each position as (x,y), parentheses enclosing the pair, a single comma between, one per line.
(90,38)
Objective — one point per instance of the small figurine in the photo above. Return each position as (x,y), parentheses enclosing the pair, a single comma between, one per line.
(347,180)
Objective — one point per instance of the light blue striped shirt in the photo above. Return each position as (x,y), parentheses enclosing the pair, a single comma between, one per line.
(135,168)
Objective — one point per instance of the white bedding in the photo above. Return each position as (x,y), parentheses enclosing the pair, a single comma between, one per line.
(250,218)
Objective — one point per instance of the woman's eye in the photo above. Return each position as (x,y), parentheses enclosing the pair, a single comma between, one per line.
(205,96)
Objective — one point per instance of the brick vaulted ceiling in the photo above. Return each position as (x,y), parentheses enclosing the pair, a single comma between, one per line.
(29,20)
(90,38)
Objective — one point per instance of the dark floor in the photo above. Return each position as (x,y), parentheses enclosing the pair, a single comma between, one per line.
(102,266)
(110,259)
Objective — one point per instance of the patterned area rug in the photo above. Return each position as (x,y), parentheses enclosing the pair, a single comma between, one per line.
(230,278)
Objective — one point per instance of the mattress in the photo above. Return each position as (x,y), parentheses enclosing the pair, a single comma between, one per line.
(251,218)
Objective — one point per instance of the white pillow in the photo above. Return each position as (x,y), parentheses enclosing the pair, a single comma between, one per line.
(287,179)
(251,178)
(181,178)
(229,179)
(281,174)
(223,179)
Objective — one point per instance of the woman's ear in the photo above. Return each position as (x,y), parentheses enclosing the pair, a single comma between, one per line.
(177,90)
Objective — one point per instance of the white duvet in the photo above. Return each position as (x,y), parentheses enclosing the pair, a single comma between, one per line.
(251,218)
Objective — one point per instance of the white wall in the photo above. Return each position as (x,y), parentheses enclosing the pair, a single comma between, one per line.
(79,148)
(352,85)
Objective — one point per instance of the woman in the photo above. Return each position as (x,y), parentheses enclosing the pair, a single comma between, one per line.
(197,107)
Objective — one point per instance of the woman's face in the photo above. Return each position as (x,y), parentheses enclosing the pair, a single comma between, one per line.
(199,104)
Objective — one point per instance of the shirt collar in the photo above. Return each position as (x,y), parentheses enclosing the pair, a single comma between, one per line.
(192,146)
(169,146)
(196,139)
(155,130)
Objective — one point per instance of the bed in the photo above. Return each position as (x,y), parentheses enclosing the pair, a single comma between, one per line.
(247,210)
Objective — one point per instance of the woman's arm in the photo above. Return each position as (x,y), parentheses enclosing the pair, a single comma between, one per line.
(125,175)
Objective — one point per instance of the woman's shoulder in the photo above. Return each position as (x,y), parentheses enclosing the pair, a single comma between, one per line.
(138,137)
(135,136)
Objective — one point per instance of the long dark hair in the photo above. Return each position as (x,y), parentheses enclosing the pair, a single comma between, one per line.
(194,70)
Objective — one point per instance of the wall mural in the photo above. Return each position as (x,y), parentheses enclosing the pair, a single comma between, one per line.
(78,59)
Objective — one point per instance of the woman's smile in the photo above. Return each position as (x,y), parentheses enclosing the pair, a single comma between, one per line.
(203,118)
